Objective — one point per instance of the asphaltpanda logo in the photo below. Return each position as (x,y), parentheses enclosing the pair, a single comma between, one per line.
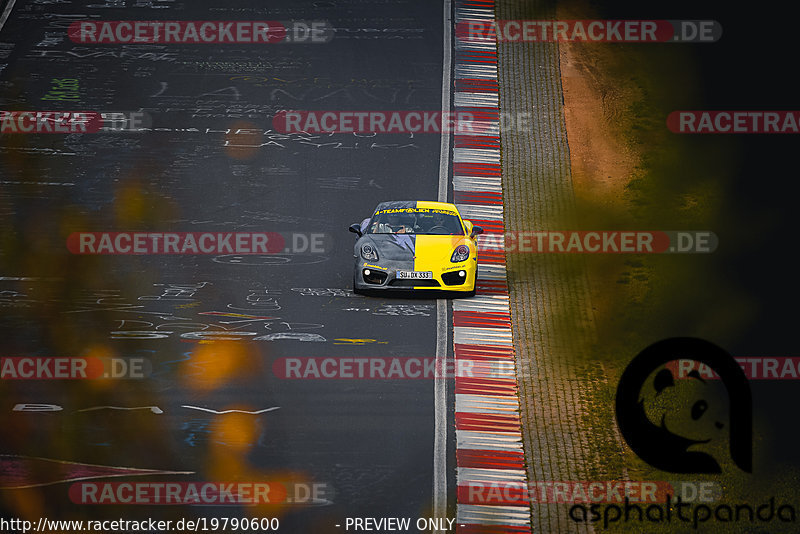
(682,423)
(661,416)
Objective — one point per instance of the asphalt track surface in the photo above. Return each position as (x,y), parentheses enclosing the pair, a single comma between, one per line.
(369,443)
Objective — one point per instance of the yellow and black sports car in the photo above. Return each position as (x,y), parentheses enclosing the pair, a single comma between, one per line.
(415,245)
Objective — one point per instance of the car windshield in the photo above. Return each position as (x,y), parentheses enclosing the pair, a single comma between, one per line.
(419,221)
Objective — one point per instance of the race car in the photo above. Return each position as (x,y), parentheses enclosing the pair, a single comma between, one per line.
(415,246)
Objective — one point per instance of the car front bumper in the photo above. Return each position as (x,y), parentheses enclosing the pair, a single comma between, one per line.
(383,277)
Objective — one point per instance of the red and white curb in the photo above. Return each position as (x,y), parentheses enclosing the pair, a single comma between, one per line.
(489,449)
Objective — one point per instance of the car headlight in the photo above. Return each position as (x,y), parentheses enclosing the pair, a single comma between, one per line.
(461,253)
(368,252)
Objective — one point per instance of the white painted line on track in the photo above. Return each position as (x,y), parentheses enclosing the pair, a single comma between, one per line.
(440,410)
(6,13)
(447,61)
(442,324)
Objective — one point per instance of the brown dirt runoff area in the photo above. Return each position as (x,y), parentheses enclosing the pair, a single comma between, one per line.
(602,162)
(603,159)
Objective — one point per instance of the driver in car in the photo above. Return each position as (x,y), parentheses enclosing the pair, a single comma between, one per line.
(441,224)
(396,223)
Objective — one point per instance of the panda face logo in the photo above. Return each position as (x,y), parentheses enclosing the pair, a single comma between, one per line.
(690,407)
(683,425)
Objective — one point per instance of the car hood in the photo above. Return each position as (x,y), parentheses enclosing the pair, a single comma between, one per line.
(405,247)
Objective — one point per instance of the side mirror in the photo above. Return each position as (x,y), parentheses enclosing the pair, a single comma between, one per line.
(356,229)
(476,230)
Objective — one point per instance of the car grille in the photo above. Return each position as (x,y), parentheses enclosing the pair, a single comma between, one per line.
(414,283)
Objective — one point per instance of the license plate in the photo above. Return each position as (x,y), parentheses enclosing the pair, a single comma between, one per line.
(414,275)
